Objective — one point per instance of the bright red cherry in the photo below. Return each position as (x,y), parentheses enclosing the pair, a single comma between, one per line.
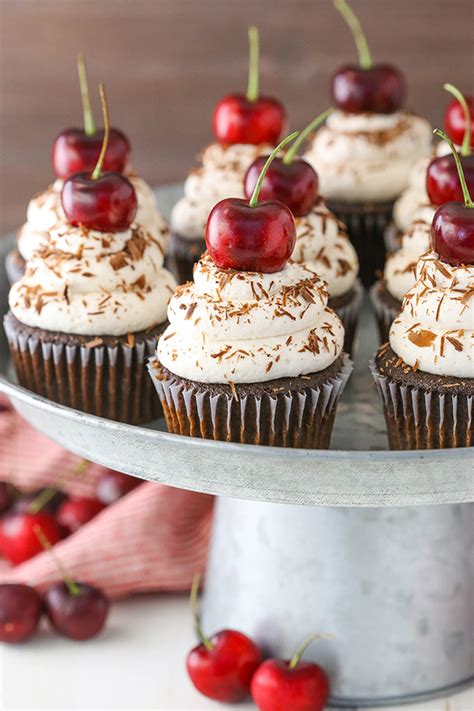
(452,230)
(455,122)
(106,202)
(442,179)
(20,612)
(113,485)
(77,150)
(18,538)
(77,511)
(222,667)
(379,88)
(279,684)
(249,118)
(78,612)
(252,236)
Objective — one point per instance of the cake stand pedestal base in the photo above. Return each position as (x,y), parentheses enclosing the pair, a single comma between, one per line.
(394,585)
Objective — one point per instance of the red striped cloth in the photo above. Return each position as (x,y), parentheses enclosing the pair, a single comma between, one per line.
(155,538)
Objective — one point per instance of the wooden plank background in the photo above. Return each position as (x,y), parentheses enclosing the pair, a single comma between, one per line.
(166,62)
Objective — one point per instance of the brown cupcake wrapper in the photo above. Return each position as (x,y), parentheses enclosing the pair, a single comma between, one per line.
(417,418)
(366,225)
(105,380)
(349,315)
(384,313)
(14,266)
(392,238)
(293,418)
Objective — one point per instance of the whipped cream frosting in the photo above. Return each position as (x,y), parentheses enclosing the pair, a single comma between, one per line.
(323,246)
(435,330)
(368,157)
(399,271)
(220,176)
(94,283)
(246,327)
(45,212)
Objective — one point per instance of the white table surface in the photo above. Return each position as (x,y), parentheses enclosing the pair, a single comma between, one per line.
(137,664)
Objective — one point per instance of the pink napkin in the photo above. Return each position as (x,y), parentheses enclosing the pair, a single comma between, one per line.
(154,538)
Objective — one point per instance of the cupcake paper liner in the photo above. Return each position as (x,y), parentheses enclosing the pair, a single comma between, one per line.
(418,418)
(366,225)
(392,238)
(14,266)
(385,312)
(105,380)
(302,416)
(184,254)
(349,315)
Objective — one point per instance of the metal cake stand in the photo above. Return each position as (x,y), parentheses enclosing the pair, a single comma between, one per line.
(371,545)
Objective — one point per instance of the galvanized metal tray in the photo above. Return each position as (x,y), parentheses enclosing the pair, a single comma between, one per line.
(357,471)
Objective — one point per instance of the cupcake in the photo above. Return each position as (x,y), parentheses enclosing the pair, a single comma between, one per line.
(322,243)
(245,126)
(92,303)
(253,353)
(425,373)
(366,151)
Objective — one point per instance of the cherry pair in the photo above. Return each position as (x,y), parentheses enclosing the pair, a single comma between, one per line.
(228,667)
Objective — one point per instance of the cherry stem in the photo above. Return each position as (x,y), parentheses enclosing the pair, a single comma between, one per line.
(253,202)
(105,112)
(193,604)
(365,57)
(466,143)
(293,150)
(254,54)
(47,494)
(301,649)
(465,190)
(89,125)
(71,585)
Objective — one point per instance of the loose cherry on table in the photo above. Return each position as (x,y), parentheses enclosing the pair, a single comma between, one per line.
(77,511)
(106,202)
(74,609)
(290,179)
(452,230)
(280,684)
(366,87)
(20,612)
(113,485)
(18,540)
(249,118)
(77,150)
(252,236)
(221,667)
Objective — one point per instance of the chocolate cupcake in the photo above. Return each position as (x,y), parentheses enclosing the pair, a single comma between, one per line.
(86,315)
(425,374)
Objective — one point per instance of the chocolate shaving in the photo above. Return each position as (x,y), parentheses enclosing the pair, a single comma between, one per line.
(422,338)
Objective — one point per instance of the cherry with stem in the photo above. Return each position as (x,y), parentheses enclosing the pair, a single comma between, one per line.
(459,96)
(89,123)
(459,119)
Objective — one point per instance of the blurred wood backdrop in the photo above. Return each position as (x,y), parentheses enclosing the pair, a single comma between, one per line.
(166,62)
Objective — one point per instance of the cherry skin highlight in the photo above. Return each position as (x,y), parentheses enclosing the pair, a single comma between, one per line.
(455,120)
(20,612)
(442,179)
(224,671)
(238,120)
(106,204)
(452,233)
(77,511)
(18,538)
(76,152)
(295,184)
(380,89)
(78,616)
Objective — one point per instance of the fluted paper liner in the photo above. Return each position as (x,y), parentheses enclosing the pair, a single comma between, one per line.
(418,418)
(349,315)
(104,380)
(384,313)
(302,417)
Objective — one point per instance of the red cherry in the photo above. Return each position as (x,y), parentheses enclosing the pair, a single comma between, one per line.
(20,612)
(113,485)
(78,612)
(240,118)
(442,179)
(76,152)
(295,184)
(455,120)
(77,511)
(278,684)
(47,499)
(18,538)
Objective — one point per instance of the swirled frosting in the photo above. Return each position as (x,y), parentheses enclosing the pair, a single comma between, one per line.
(247,327)
(435,330)
(368,157)
(220,176)
(45,212)
(323,246)
(399,271)
(94,283)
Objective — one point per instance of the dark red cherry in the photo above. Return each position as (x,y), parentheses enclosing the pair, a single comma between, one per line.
(7,496)
(77,511)
(295,184)
(78,611)
(380,89)
(455,120)
(19,541)
(442,179)
(106,204)
(46,499)
(76,152)
(20,612)
(249,118)
(252,236)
